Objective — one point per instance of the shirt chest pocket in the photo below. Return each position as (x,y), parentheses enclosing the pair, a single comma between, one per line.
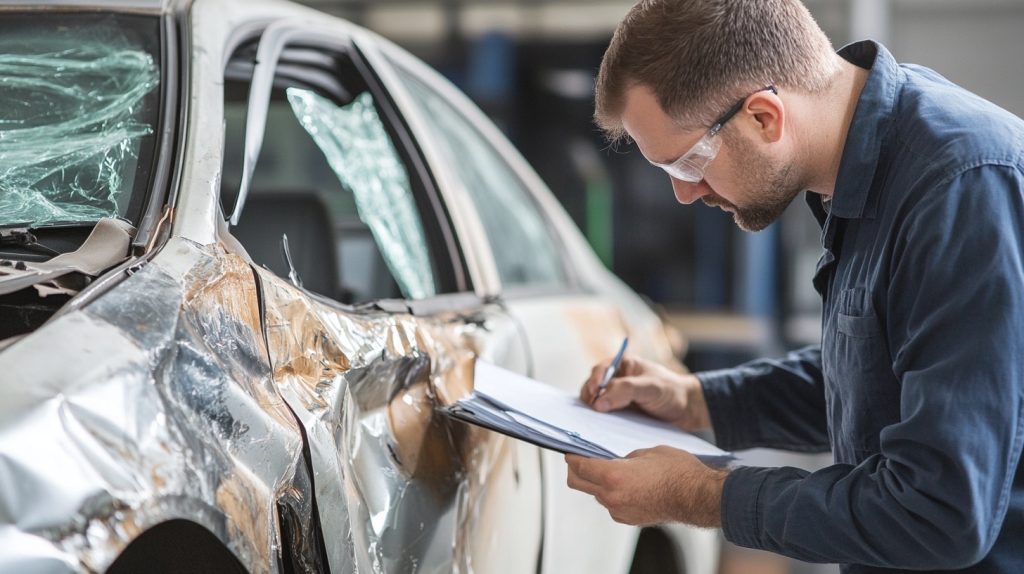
(863,393)
(858,326)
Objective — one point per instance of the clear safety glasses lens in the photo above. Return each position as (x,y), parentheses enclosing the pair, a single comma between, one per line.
(691,166)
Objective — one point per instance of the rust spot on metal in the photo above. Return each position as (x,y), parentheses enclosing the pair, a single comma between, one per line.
(246,518)
(457,382)
(158,481)
(423,438)
(231,292)
(231,295)
(158,229)
(302,346)
(489,470)
(128,528)
(600,329)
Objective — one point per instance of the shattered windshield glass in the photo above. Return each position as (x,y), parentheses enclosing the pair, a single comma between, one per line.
(78,112)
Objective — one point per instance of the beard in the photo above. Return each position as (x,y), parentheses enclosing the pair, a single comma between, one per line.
(772,186)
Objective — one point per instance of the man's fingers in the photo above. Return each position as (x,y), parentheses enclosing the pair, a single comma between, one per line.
(640,452)
(641,390)
(592,470)
(589,388)
(577,479)
(629,366)
(576,482)
(576,463)
(622,392)
(617,395)
(586,395)
(629,369)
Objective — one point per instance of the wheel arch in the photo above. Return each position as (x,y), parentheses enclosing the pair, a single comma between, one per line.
(177,546)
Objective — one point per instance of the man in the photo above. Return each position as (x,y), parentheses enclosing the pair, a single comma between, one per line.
(918,384)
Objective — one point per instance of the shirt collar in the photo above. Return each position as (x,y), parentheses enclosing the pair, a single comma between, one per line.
(869,130)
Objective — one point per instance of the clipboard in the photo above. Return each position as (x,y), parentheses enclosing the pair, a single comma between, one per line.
(543,415)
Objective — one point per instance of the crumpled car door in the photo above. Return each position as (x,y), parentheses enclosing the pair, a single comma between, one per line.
(399,486)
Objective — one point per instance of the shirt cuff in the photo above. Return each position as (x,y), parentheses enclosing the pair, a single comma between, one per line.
(741,512)
(729,417)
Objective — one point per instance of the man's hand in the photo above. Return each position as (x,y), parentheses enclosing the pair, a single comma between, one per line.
(652,486)
(654,389)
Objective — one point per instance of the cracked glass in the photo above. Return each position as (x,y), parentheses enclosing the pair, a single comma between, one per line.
(360,152)
(78,110)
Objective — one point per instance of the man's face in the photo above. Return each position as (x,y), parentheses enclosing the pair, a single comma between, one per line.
(742,179)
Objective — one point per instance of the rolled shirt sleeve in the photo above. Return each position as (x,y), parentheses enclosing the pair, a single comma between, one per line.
(936,493)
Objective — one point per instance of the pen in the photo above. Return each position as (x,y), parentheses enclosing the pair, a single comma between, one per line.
(610,371)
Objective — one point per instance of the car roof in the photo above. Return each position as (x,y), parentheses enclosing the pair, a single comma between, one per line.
(154,6)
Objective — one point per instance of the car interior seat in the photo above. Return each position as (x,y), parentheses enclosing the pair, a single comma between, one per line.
(303,216)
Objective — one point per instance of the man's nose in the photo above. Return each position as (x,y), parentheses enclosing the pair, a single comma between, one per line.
(686,192)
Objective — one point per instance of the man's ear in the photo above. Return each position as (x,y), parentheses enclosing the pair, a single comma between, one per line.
(769,115)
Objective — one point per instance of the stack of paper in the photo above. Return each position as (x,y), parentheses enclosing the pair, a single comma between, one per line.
(548,417)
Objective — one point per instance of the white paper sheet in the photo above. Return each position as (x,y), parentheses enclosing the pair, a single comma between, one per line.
(619,433)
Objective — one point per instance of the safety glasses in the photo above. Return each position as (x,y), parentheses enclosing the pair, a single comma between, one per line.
(691,165)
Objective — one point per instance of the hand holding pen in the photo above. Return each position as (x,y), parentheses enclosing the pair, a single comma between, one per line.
(647,386)
(609,372)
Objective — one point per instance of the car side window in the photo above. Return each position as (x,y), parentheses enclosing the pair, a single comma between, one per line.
(524,245)
(330,178)
(360,152)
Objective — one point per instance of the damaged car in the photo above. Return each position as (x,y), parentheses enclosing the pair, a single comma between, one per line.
(246,252)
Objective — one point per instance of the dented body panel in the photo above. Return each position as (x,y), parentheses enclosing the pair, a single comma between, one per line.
(187,417)
(402,487)
(159,406)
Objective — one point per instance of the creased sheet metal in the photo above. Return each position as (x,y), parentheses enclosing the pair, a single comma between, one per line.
(360,152)
(69,124)
(402,488)
(164,405)
(154,403)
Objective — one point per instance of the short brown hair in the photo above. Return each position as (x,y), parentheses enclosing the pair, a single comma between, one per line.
(699,56)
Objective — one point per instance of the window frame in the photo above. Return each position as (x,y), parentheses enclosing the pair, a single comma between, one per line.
(402,62)
(447,260)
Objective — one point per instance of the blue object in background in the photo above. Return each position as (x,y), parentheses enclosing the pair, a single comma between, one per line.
(758,295)
(491,69)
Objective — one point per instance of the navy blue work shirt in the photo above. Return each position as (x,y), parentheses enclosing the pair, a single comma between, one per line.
(918,384)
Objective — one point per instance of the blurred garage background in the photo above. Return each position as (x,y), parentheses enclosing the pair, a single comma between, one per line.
(530,64)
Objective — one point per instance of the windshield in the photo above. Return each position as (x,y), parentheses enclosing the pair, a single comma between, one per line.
(78,116)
